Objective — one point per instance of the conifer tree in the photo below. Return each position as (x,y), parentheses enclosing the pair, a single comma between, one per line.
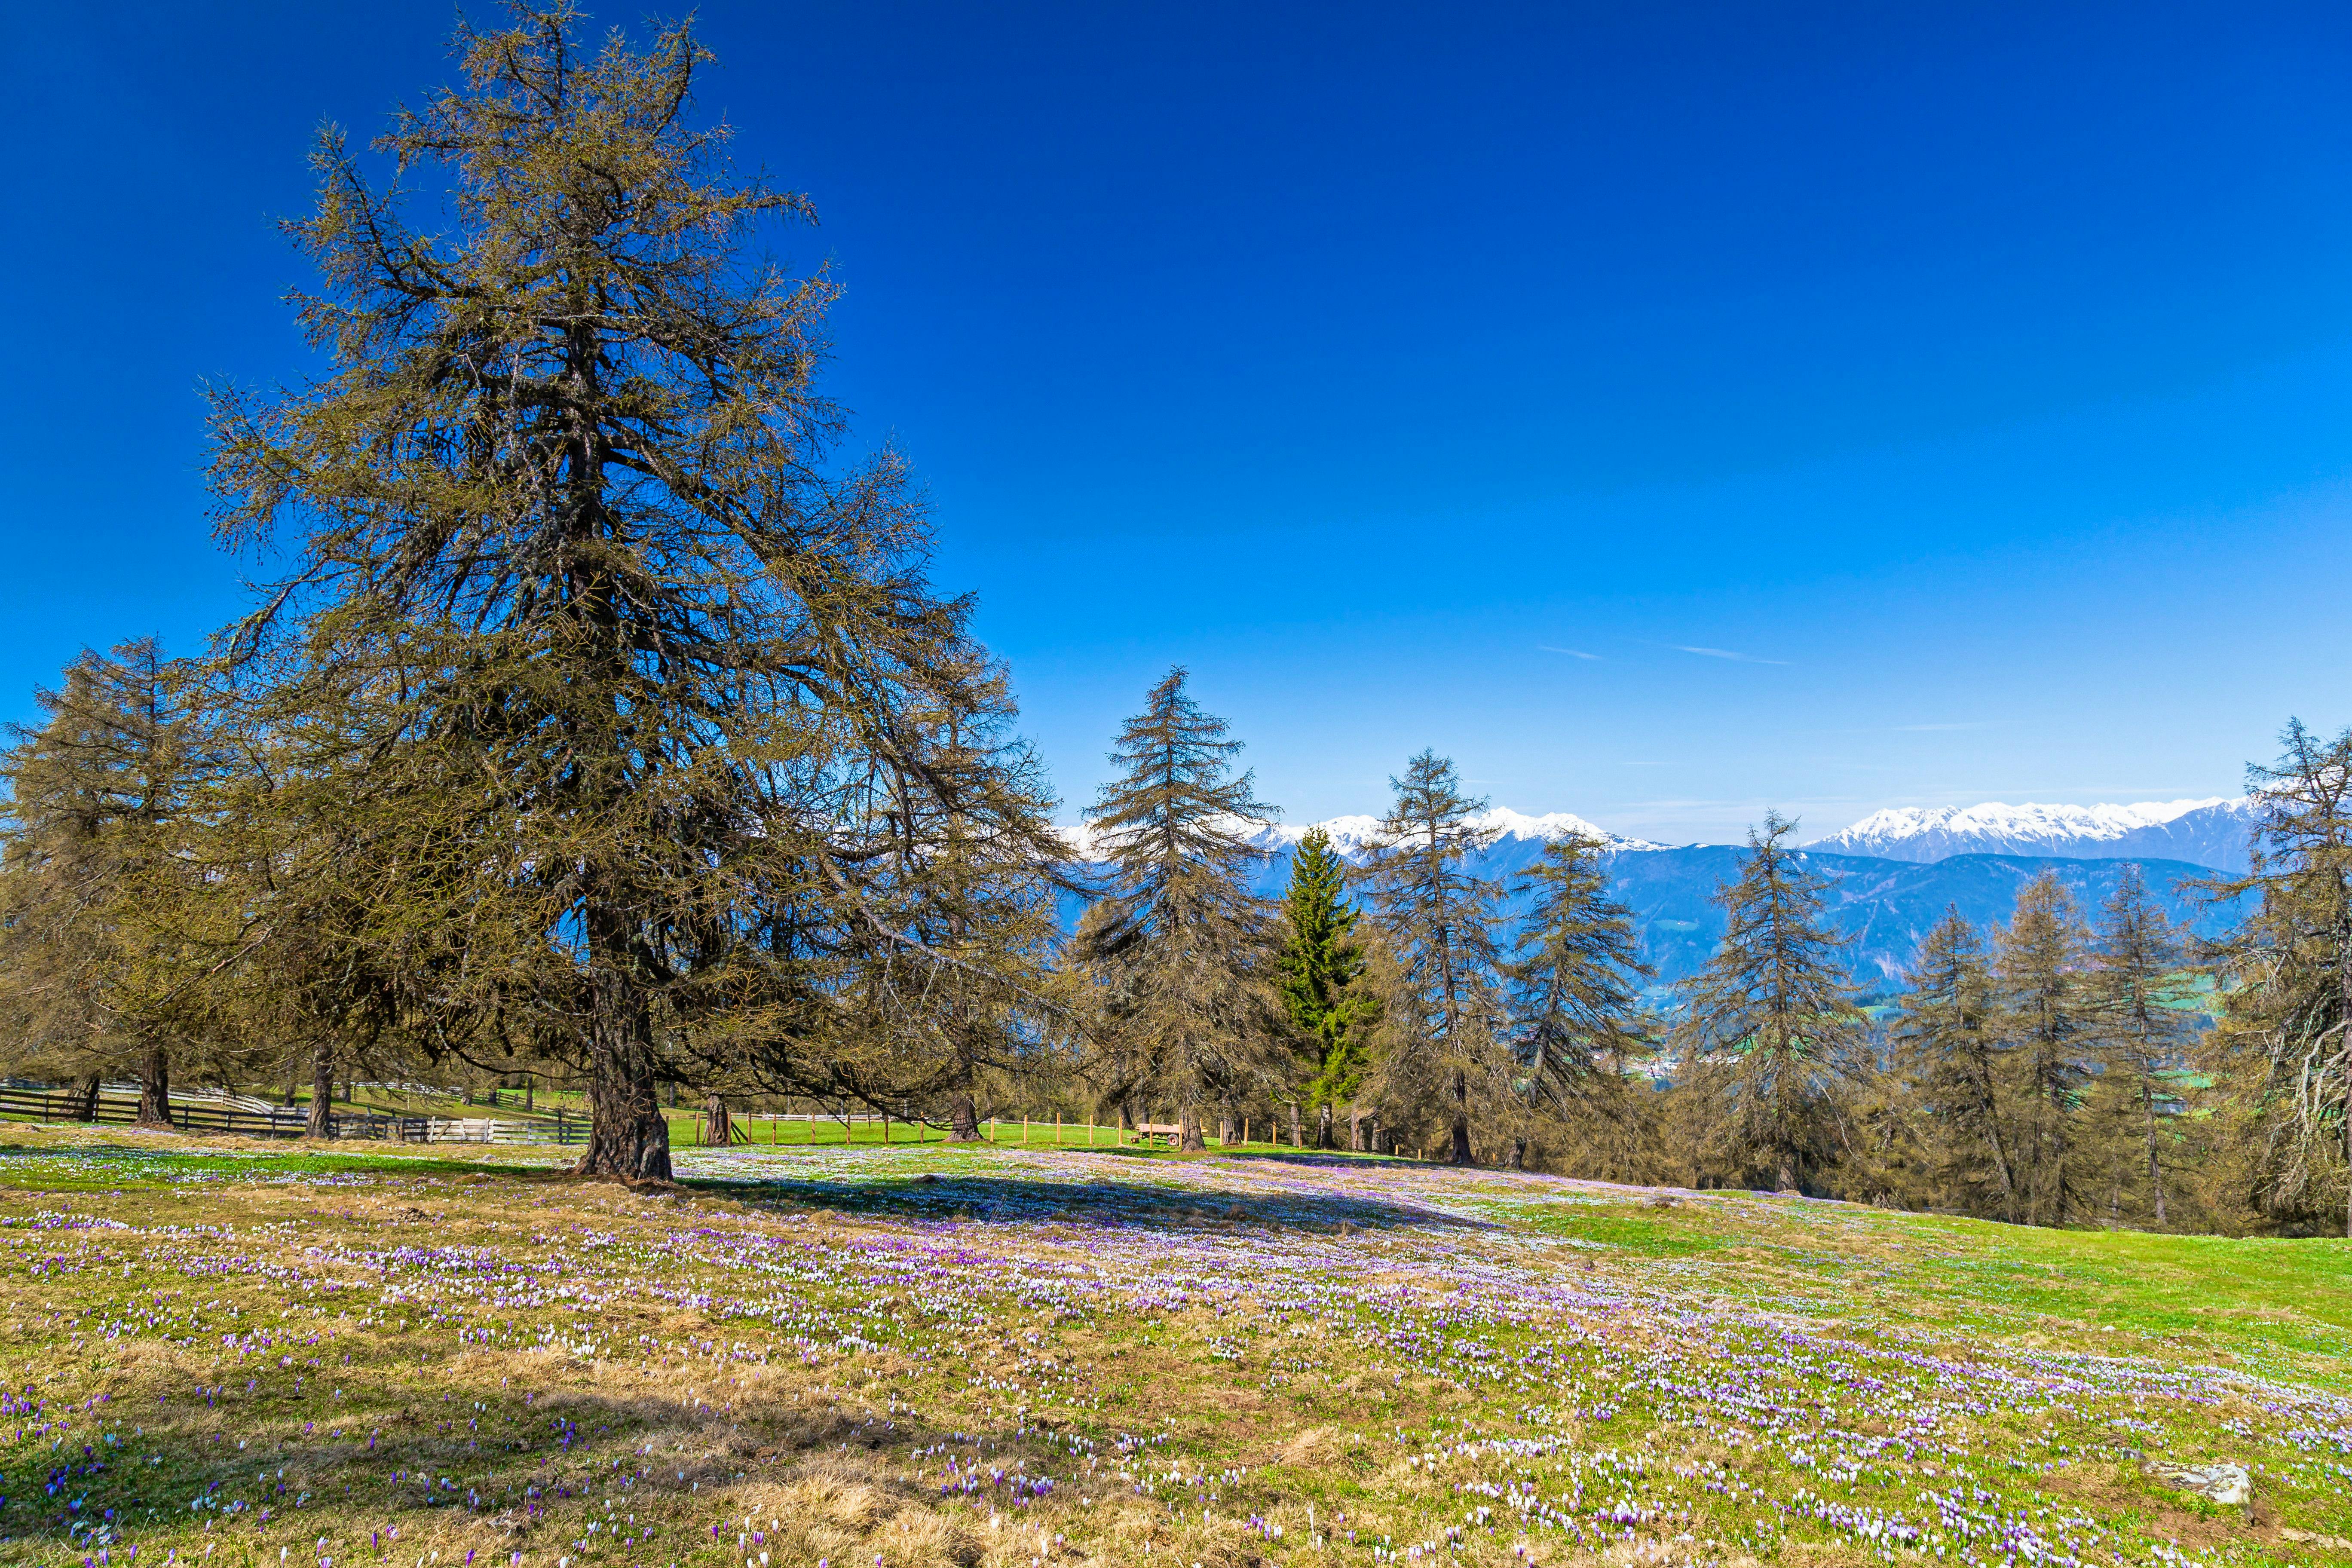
(2046,1016)
(2284,1046)
(1769,1037)
(335,975)
(111,933)
(1577,1018)
(1320,958)
(1950,1056)
(635,668)
(1440,922)
(1184,953)
(982,908)
(2136,956)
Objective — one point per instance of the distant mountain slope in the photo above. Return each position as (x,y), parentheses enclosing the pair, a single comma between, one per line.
(1518,836)
(1883,907)
(2200,832)
(1883,904)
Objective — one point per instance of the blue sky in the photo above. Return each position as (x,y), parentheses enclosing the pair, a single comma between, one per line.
(1667,411)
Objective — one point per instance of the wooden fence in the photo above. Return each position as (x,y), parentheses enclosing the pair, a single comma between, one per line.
(244,1120)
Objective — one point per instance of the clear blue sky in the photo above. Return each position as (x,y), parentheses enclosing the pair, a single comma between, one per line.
(1975,382)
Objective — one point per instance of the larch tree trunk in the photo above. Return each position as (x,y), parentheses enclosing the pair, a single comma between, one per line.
(1461,1154)
(2343,1022)
(626,1135)
(963,1119)
(718,1124)
(155,1086)
(82,1103)
(1297,1136)
(1189,1139)
(321,1121)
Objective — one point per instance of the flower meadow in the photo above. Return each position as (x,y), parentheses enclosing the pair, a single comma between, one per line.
(835,1357)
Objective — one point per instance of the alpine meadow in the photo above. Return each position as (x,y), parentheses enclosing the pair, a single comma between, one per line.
(578,1030)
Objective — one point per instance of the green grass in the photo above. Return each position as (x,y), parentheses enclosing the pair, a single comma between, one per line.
(1242,1357)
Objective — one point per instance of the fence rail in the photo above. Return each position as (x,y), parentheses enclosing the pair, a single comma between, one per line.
(228,1116)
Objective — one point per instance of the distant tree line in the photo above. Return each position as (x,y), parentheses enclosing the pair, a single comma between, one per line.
(2068,1068)
(597,723)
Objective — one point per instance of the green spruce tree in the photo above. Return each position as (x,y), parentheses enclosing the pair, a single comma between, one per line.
(1770,1040)
(1320,957)
(1183,954)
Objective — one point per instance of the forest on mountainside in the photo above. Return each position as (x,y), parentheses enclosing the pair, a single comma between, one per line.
(604,729)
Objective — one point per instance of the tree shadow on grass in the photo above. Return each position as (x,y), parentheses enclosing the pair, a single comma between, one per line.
(1099,1204)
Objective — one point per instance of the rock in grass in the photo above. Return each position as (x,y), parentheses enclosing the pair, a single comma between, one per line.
(2311,1537)
(2222,1483)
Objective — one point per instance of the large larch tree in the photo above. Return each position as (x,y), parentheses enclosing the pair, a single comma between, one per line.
(658,674)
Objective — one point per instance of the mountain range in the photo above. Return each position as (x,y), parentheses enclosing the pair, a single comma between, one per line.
(1893,875)
(2213,833)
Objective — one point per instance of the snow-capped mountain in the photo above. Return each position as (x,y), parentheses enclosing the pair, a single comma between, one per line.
(1893,875)
(2202,832)
(1352,835)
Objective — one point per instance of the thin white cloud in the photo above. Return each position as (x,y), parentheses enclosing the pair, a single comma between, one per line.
(1726,653)
(1571,652)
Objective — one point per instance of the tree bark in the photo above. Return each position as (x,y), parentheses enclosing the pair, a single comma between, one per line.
(1460,1155)
(321,1121)
(1519,1153)
(963,1121)
(1225,1131)
(155,1087)
(1355,1130)
(1189,1140)
(718,1126)
(82,1102)
(1323,1127)
(626,1135)
(1298,1137)
(1788,1175)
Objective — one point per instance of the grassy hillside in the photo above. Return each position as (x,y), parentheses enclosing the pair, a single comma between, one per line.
(247,1355)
